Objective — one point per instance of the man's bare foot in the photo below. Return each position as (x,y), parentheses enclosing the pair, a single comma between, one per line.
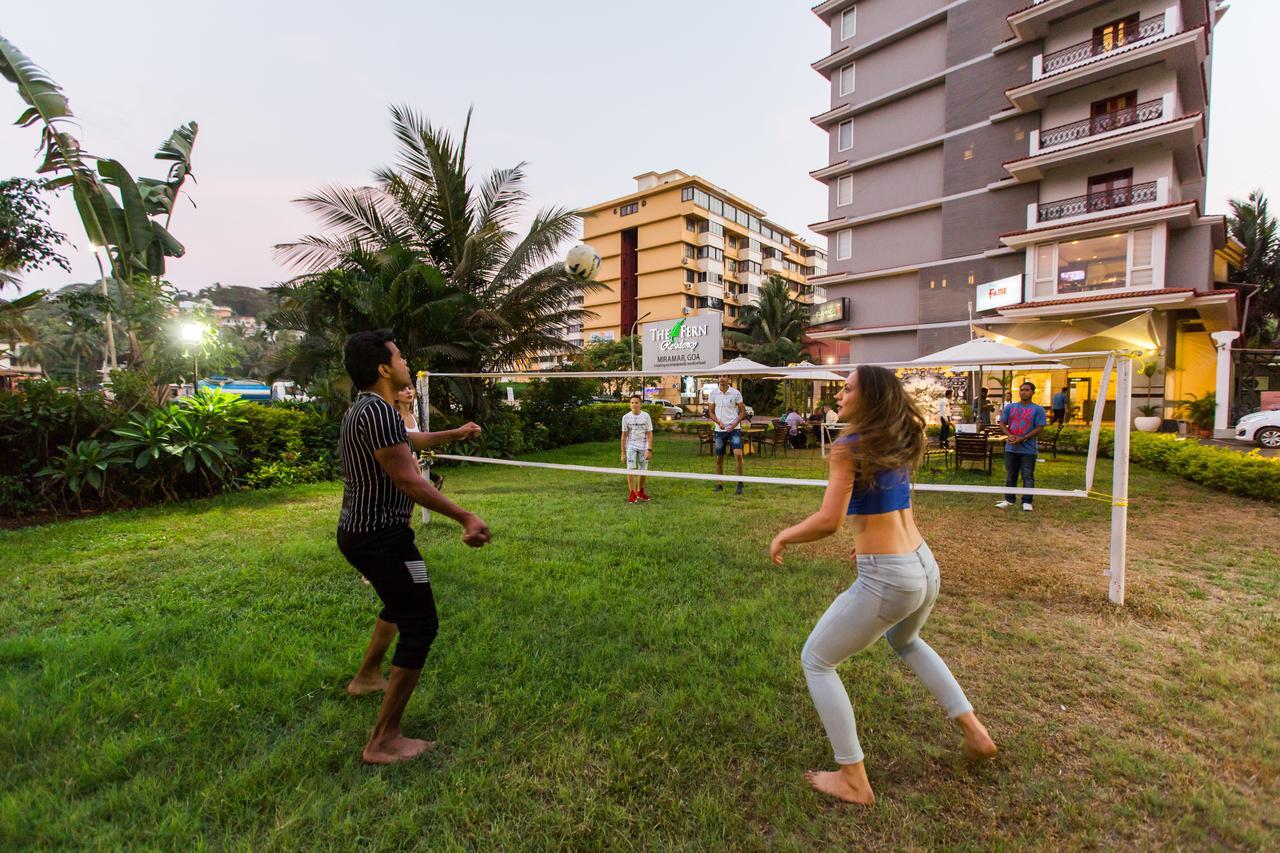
(363,686)
(395,748)
(977,742)
(412,747)
(839,785)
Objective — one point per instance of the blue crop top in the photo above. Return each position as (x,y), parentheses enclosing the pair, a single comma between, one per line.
(888,491)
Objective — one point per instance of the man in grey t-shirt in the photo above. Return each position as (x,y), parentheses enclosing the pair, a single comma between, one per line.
(727,411)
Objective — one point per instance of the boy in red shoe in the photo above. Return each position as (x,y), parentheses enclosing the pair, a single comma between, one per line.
(637,448)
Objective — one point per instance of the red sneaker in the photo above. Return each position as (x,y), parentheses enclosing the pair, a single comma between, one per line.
(631,498)
(642,496)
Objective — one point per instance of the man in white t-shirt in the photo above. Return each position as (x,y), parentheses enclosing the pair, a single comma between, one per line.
(727,412)
(637,448)
(944,420)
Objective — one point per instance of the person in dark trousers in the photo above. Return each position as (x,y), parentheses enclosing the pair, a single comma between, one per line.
(1059,405)
(944,419)
(1021,422)
(381,481)
(984,408)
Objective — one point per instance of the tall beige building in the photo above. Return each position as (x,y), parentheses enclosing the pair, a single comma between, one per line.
(679,245)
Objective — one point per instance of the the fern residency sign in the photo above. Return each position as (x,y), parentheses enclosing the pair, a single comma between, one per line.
(688,343)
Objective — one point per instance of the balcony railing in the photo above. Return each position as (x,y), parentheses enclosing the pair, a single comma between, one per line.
(1105,123)
(1100,45)
(1098,202)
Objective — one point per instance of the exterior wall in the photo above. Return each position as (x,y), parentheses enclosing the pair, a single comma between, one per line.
(896,242)
(1189,262)
(1148,164)
(973,224)
(906,61)
(1151,83)
(896,346)
(894,125)
(878,17)
(888,301)
(906,180)
(946,290)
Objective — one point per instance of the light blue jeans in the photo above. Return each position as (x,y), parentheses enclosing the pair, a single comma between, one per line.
(892,595)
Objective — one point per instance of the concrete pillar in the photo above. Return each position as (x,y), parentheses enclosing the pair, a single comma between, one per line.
(1222,386)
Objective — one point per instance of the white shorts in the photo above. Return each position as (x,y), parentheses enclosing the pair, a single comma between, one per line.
(636,460)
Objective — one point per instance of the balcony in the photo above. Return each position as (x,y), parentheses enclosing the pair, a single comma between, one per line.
(774,265)
(1158,39)
(1105,203)
(1091,128)
(1114,135)
(708,238)
(1034,21)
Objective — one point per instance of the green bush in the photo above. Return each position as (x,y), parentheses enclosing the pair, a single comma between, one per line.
(16,496)
(286,472)
(1249,475)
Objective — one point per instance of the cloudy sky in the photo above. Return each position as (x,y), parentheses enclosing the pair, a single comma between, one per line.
(293,94)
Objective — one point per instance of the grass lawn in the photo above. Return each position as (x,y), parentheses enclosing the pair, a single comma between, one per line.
(628,676)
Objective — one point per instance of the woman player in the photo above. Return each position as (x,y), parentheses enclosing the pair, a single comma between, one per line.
(871,466)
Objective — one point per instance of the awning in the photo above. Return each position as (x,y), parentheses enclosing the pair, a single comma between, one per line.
(1128,330)
(979,351)
(740,366)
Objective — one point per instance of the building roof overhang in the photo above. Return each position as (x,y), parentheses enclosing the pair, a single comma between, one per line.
(1181,135)
(1177,215)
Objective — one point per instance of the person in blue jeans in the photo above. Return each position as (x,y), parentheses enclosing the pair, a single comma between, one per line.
(1021,422)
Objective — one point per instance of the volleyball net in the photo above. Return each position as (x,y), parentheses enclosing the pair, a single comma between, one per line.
(571,421)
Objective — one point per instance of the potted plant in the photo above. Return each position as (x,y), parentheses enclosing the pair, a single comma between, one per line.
(1149,416)
(1200,411)
(1148,419)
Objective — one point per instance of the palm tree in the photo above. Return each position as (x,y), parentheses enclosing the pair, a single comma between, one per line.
(1252,224)
(776,321)
(515,293)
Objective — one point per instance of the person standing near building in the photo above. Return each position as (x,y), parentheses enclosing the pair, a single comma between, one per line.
(1060,402)
(1021,422)
(944,420)
(984,409)
(727,412)
(637,448)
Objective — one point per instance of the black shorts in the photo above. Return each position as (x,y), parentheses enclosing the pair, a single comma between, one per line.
(395,568)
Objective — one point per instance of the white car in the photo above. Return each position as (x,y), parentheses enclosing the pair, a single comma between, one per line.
(669,410)
(1261,427)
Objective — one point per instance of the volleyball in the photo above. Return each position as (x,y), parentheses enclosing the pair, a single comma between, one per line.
(582,261)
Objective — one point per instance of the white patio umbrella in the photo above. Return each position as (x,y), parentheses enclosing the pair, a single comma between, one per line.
(740,366)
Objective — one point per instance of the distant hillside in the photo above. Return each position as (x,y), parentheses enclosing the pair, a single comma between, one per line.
(244,301)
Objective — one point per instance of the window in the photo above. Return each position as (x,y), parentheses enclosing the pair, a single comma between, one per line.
(690,224)
(844,135)
(1096,263)
(1142,261)
(689,252)
(686,194)
(844,190)
(848,23)
(710,252)
(844,245)
(690,277)
(628,209)
(846,79)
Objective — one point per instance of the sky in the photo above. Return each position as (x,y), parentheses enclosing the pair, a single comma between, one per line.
(294,95)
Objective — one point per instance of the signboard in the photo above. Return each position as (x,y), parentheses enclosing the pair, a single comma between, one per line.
(831,311)
(682,345)
(1000,293)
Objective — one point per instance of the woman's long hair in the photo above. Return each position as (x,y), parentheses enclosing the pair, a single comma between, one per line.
(890,428)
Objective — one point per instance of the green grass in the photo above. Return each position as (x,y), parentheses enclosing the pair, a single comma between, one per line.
(628,676)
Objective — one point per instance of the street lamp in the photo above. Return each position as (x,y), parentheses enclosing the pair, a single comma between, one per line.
(192,334)
(633,339)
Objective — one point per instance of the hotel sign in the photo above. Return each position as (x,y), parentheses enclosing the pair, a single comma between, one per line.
(683,345)
(831,311)
(1000,293)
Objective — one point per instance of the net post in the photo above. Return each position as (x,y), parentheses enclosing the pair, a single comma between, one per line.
(1120,481)
(424,400)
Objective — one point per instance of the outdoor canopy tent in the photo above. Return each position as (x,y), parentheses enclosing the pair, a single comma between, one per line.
(1127,330)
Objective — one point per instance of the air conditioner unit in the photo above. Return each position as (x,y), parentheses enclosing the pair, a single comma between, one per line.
(685,310)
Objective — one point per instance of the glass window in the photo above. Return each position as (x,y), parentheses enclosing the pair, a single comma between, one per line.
(844,190)
(689,251)
(1096,263)
(1045,270)
(690,277)
(848,23)
(844,135)
(716,206)
(686,194)
(846,79)
(844,245)
(628,209)
(1142,269)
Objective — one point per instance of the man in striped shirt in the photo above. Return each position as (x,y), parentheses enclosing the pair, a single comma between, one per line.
(381,482)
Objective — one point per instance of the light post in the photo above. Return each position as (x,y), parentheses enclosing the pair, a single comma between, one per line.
(192,335)
(633,344)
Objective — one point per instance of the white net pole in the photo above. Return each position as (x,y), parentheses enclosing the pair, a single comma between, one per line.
(1120,481)
(1095,431)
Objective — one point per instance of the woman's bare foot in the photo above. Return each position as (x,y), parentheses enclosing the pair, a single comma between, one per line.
(361,686)
(977,742)
(849,783)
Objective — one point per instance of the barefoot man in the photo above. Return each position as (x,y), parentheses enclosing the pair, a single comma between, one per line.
(381,482)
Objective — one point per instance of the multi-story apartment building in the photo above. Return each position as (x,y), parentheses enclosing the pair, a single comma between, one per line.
(681,245)
(1039,164)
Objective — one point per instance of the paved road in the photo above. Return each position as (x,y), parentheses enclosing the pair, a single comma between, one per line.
(1240,446)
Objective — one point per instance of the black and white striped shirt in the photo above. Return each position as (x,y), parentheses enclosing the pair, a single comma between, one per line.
(370,499)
